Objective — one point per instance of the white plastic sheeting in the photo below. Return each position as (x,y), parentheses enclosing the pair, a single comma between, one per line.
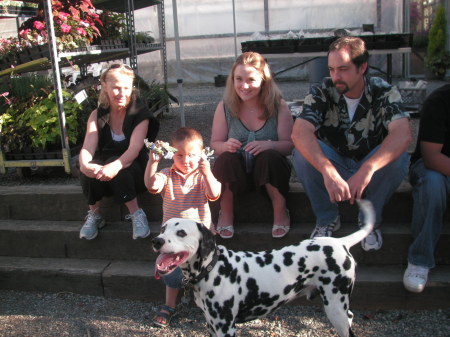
(207,41)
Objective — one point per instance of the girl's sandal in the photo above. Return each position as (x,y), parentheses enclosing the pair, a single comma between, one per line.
(167,316)
(285,228)
(221,229)
(230,229)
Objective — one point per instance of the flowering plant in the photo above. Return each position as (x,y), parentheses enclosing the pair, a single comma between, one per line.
(75,23)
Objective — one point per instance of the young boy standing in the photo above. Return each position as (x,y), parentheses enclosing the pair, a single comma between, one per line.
(186,188)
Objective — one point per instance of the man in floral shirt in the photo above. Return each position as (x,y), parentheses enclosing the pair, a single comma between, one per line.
(351,140)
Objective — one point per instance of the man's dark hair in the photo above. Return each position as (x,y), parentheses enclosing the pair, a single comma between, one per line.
(355,45)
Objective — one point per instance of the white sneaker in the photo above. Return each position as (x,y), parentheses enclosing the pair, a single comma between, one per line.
(140,224)
(373,241)
(415,278)
(326,230)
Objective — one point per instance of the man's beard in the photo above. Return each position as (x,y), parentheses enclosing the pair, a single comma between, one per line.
(341,90)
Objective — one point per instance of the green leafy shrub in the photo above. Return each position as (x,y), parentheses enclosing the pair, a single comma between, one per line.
(35,125)
(438,58)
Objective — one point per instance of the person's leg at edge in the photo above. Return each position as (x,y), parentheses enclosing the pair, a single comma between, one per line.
(430,193)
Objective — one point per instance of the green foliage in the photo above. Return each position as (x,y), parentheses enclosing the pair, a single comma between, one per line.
(144,37)
(113,26)
(438,58)
(35,124)
(155,94)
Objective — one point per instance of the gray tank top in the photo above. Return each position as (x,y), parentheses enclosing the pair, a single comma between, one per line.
(238,130)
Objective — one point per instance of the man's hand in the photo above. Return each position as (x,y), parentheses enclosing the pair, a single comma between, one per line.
(358,183)
(338,189)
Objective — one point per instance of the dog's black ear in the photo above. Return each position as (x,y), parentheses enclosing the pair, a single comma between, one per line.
(207,243)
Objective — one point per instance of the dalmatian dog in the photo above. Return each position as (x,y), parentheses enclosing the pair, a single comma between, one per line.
(235,287)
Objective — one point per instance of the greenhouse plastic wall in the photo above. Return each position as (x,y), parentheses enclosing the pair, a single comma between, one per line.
(207,36)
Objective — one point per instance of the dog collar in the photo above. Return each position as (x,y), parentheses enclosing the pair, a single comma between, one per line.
(206,270)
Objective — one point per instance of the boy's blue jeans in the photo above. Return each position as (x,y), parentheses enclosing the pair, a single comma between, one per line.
(430,192)
(383,184)
(174,279)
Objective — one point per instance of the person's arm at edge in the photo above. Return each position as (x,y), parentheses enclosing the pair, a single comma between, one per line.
(434,159)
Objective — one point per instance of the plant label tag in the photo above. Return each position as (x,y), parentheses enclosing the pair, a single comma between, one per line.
(81,96)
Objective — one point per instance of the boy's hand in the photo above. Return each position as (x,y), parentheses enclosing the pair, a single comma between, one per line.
(154,157)
(204,166)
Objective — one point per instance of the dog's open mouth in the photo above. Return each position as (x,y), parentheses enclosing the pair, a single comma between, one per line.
(166,263)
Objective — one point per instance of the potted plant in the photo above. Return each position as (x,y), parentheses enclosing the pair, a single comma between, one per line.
(438,58)
(29,121)
(112,29)
(76,25)
(156,95)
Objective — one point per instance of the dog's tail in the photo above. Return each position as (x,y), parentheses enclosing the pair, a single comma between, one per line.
(369,221)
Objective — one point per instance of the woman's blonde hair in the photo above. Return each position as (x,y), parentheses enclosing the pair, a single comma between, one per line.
(115,70)
(269,96)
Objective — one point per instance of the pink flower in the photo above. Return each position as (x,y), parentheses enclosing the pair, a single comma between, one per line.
(38,25)
(66,28)
(63,16)
(81,31)
(24,32)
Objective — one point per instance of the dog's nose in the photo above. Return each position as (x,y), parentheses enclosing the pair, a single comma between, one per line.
(158,242)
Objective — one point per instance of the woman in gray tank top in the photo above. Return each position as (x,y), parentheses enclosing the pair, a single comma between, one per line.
(251,134)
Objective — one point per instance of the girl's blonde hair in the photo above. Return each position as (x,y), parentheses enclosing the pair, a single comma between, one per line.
(114,71)
(269,96)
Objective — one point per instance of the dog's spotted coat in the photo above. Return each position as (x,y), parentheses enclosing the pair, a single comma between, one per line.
(243,286)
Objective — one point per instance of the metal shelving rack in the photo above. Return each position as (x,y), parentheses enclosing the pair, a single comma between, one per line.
(93,54)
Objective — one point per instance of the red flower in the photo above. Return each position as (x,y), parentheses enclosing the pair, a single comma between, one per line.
(38,25)
(66,28)
(63,16)
(81,31)
(24,32)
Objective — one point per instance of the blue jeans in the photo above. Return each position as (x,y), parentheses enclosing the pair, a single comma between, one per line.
(174,279)
(383,184)
(430,193)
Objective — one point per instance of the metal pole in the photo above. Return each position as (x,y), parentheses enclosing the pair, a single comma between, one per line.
(54,58)
(234,29)
(177,52)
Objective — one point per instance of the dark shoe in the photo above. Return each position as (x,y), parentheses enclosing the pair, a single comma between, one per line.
(167,316)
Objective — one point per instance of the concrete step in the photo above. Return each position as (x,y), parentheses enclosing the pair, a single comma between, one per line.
(377,287)
(60,239)
(66,202)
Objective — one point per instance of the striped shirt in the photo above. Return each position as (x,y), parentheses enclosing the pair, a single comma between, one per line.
(184,196)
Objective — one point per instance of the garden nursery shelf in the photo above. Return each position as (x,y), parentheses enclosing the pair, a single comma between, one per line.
(38,57)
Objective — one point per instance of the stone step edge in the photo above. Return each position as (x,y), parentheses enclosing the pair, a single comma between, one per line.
(244,227)
(375,288)
(295,187)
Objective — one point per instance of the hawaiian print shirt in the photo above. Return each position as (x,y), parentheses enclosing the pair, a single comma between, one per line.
(326,109)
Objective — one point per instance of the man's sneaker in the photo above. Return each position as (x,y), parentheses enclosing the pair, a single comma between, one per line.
(326,230)
(93,222)
(373,241)
(140,224)
(415,278)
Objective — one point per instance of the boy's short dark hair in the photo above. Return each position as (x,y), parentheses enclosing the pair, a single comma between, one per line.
(186,134)
(355,45)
